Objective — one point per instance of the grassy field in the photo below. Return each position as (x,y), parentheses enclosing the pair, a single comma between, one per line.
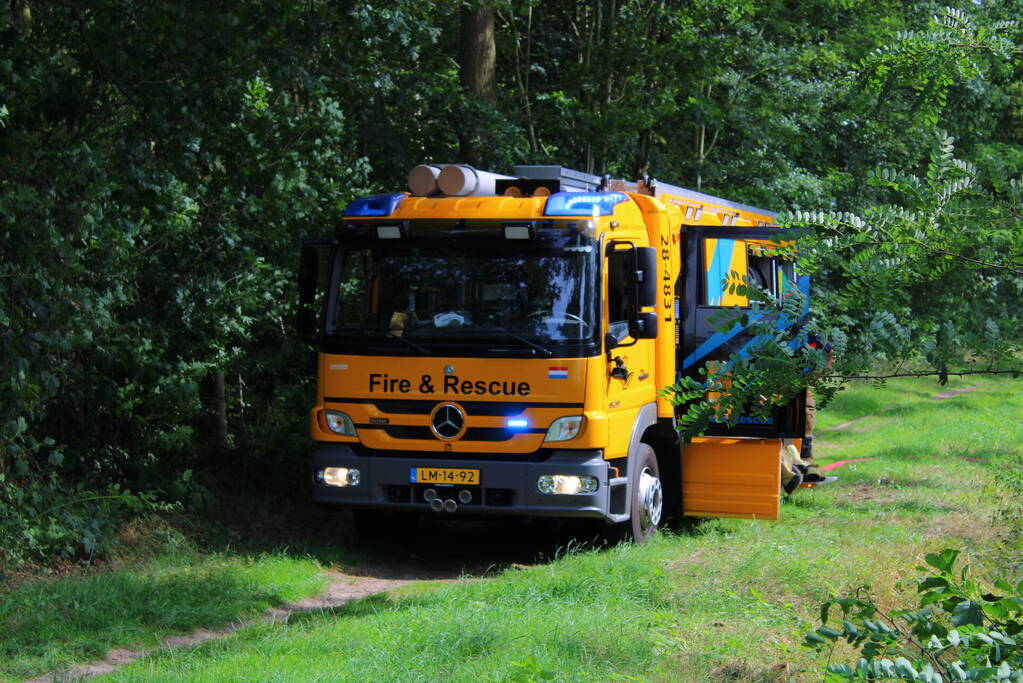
(48,624)
(721,600)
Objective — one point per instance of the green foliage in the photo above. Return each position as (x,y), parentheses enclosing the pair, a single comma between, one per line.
(775,366)
(929,63)
(40,516)
(905,266)
(148,239)
(960,632)
(160,163)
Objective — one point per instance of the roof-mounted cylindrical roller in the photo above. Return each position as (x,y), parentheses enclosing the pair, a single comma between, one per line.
(422,179)
(462,181)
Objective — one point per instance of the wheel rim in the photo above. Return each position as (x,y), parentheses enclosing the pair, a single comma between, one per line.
(651,499)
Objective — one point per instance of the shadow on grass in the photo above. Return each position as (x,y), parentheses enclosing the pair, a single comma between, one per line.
(443,547)
(361,607)
(48,624)
(432,546)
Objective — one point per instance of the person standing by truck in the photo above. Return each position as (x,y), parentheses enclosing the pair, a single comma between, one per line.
(814,342)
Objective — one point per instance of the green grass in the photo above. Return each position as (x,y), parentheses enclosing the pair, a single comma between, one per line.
(48,624)
(720,600)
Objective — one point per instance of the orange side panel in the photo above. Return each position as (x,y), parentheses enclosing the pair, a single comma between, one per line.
(732,478)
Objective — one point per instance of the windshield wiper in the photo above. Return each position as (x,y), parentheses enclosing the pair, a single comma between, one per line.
(371,338)
(411,344)
(522,340)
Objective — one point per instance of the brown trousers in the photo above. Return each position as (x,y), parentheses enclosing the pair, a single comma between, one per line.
(811,412)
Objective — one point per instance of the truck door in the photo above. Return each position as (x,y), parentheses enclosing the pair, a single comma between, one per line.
(733,471)
(630,380)
(710,253)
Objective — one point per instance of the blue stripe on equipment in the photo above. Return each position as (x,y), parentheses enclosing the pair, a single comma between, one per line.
(718,271)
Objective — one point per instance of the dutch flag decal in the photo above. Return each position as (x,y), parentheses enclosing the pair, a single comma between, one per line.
(557,373)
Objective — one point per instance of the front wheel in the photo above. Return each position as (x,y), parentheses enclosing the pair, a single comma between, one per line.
(647,500)
(647,496)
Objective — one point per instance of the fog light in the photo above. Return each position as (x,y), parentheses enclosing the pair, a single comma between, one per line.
(567,484)
(341,476)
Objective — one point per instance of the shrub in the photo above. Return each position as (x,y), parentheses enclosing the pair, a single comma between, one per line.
(961,631)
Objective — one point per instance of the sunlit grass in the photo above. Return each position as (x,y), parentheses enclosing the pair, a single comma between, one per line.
(721,600)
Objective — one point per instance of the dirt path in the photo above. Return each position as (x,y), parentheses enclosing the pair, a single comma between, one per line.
(341,589)
(464,551)
(954,392)
(944,394)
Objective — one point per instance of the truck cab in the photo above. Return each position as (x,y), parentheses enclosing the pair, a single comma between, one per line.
(497,345)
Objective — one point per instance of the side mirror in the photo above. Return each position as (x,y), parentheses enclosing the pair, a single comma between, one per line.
(610,341)
(644,326)
(308,273)
(646,277)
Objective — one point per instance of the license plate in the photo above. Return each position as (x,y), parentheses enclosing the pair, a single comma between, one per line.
(444,476)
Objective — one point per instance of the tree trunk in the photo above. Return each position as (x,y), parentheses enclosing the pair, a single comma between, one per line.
(220,403)
(477,70)
(641,165)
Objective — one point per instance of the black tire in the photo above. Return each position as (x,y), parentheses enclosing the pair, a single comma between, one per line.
(646,513)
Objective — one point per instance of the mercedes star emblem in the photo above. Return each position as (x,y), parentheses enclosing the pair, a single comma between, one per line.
(447,421)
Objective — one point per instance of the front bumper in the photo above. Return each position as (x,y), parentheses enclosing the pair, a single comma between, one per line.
(506,488)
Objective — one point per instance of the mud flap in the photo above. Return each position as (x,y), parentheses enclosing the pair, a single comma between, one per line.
(724,477)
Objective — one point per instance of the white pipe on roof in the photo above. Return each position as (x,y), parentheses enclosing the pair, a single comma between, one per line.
(458,180)
(422,179)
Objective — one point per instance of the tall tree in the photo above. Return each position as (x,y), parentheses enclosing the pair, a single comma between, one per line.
(477,71)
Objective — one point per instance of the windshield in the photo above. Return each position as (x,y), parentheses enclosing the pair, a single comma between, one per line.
(424,291)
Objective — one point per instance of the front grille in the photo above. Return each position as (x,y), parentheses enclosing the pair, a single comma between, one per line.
(480,408)
(471,434)
(541,455)
(408,432)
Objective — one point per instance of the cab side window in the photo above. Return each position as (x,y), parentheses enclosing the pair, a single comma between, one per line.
(769,271)
(619,306)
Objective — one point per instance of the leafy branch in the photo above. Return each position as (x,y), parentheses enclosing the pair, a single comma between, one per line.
(960,632)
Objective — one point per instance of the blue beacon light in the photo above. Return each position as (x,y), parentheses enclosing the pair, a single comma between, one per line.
(583,203)
(375,205)
(517,423)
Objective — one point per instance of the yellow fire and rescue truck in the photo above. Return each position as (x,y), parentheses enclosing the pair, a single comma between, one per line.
(497,345)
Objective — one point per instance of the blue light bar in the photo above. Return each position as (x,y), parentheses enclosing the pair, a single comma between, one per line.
(583,203)
(517,423)
(377,205)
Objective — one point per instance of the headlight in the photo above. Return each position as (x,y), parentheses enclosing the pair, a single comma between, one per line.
(565,428)
(339,423)
(339,476)
(568,484)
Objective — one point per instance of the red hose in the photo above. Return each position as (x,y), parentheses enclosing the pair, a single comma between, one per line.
(839,463)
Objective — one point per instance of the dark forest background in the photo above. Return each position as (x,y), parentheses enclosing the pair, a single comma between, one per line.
(161,162)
